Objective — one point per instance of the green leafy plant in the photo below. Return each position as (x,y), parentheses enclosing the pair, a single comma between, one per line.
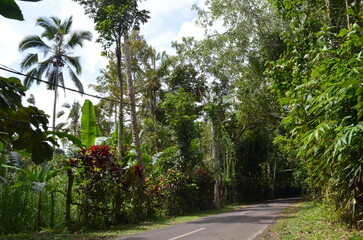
(97,178)
(23,128)
(89,129)
(38,181)
(318,81)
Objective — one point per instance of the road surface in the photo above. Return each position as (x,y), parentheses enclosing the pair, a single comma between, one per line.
(244,224)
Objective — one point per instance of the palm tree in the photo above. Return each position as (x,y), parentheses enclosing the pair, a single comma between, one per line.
(73,124)
(60,41)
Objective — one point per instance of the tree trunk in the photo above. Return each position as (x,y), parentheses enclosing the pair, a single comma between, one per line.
(52,210)
(216,166)
(121,106)
(347,13)
(55,107)
(55,97)
(69,198)
(39,210)
(118,200)
(132,102)
(328,12)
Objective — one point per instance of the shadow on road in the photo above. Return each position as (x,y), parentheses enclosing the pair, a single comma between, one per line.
(264,213)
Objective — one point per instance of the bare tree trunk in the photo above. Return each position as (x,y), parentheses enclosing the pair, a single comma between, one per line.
(131,94)
(69,198)
(120,112)
(328,12)
(39,210)
(54,108)
(52,210)
(216,165)
(347,13)
(120,147)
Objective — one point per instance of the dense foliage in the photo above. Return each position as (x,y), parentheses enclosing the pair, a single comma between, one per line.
(268,106)
(318,80)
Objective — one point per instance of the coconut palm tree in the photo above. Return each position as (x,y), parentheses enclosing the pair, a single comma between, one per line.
(73,124)
(56,44)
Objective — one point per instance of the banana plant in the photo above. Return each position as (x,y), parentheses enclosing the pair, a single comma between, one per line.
(89,130)
(37,181)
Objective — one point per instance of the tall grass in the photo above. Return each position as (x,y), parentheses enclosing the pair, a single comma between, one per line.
(19,205)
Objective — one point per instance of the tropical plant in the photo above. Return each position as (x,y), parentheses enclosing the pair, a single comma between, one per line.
(98,175)
(38,181)
(23,128)
(182,113)
(56,43)
(318,79)
(89,130)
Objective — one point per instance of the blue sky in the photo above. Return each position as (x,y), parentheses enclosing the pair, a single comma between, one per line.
(170,20)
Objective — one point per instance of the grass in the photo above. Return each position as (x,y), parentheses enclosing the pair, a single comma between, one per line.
(309,220)
(117,231)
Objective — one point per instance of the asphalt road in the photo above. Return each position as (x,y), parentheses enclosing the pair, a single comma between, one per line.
(244,224)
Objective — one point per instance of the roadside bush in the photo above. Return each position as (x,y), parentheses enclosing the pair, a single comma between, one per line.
(205,184)
(182,194)
(98,176)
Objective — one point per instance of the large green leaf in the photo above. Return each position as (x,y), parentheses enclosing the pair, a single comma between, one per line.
(10,9)
(41,151)
(11,92)
(88,124)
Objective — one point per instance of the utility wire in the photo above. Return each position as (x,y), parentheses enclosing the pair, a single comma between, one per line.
(19,121)
(8,69)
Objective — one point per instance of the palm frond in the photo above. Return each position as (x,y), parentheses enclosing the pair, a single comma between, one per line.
(29,79)
(66,105)
(61,79)
(30,60)
(56,21)
(74,62)
(33,41)
(60,113)
(67,24)
(77,38)
(44,68)
(52,77)
(61,126)
(75,80)
(49,27)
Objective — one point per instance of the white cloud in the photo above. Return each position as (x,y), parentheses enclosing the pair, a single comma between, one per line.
(162,42)
(7,55)
(169,21)
(189,29)
(168,8)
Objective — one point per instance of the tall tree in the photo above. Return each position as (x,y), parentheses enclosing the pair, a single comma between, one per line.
(108,85)
(114,20)
(182,113)
(232,59)
(60,41)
